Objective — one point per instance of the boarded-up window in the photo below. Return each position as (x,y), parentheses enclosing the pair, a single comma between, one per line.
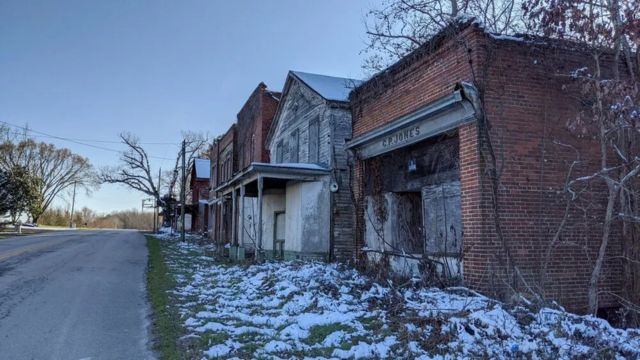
(294,146)
(409,235)
(279,152)
(314,140)
(442,219)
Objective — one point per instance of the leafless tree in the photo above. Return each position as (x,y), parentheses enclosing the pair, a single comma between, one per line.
(57,169)
(610,29)
(196,146)
(134,170)
(400,26)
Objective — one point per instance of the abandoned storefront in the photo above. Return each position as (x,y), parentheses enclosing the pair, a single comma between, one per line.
(468,181)
(298,206)
(412,191)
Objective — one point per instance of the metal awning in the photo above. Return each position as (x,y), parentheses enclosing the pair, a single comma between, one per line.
(440,116)
(284,171)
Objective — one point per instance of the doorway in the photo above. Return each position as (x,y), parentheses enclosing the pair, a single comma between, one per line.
(279,234)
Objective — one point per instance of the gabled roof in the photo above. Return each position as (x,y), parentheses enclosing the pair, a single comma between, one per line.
(334,90)
(329,87)
(203,168)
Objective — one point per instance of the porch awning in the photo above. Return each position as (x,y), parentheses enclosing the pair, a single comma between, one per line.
(440,116)
(284,171)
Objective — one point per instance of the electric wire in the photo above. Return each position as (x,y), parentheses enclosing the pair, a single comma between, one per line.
(85,141)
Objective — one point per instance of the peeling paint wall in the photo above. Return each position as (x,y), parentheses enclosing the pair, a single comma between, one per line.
(311,130)
(271,203)
(307,217)
(250,227)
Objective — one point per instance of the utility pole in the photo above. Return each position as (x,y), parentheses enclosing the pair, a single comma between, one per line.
(183,193)
(73,204)
(156,215)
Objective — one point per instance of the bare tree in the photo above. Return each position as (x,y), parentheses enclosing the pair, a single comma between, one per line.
(612,116)
(57,169)
(400,26)
(196,146)
(134,170)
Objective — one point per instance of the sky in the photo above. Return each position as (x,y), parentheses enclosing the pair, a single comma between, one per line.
(91,70)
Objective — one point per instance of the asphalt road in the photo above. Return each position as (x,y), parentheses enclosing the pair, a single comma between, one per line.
(74,295)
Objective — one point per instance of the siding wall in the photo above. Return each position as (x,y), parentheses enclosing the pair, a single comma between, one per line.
(301,108)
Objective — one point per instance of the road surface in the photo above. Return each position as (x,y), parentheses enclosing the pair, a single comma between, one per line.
(74,295)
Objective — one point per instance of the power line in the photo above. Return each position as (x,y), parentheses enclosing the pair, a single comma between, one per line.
(79,142)
(89,140)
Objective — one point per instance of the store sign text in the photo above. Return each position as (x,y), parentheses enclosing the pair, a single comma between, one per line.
(401,136)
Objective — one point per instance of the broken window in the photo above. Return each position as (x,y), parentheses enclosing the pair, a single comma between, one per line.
(409,234)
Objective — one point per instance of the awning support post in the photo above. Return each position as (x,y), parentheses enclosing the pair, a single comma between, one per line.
(260,185)
(242,220)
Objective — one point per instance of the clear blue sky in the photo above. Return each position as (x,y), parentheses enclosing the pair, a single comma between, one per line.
(92,69)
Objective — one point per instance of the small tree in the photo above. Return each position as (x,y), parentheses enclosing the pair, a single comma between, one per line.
(18,193)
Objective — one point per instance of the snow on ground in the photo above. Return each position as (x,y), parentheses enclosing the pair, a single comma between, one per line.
(167,233)
(317,310)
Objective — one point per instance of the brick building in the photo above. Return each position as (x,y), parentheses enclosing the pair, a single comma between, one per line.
(199,187)
(253,123)
(467,127)
(223,166)
(240,147)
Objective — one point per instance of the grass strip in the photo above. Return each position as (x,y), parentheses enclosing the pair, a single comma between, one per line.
(166,328)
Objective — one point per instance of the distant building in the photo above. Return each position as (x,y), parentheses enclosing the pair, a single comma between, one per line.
(223,166)
(199,188)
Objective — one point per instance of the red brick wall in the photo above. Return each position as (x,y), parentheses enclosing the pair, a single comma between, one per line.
(527,110)
(270,101)
(228,143)
(253,124)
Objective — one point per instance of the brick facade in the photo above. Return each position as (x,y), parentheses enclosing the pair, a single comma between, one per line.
(525,110)
(254,120)
(199,188)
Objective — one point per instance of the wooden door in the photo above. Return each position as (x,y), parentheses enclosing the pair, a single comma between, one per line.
(442,219)
(279,235)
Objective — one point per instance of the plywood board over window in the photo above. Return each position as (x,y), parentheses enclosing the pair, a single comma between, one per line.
(442,219)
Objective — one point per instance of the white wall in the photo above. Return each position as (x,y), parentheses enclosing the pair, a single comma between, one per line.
(308,217)
(250,222)
(270,204)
